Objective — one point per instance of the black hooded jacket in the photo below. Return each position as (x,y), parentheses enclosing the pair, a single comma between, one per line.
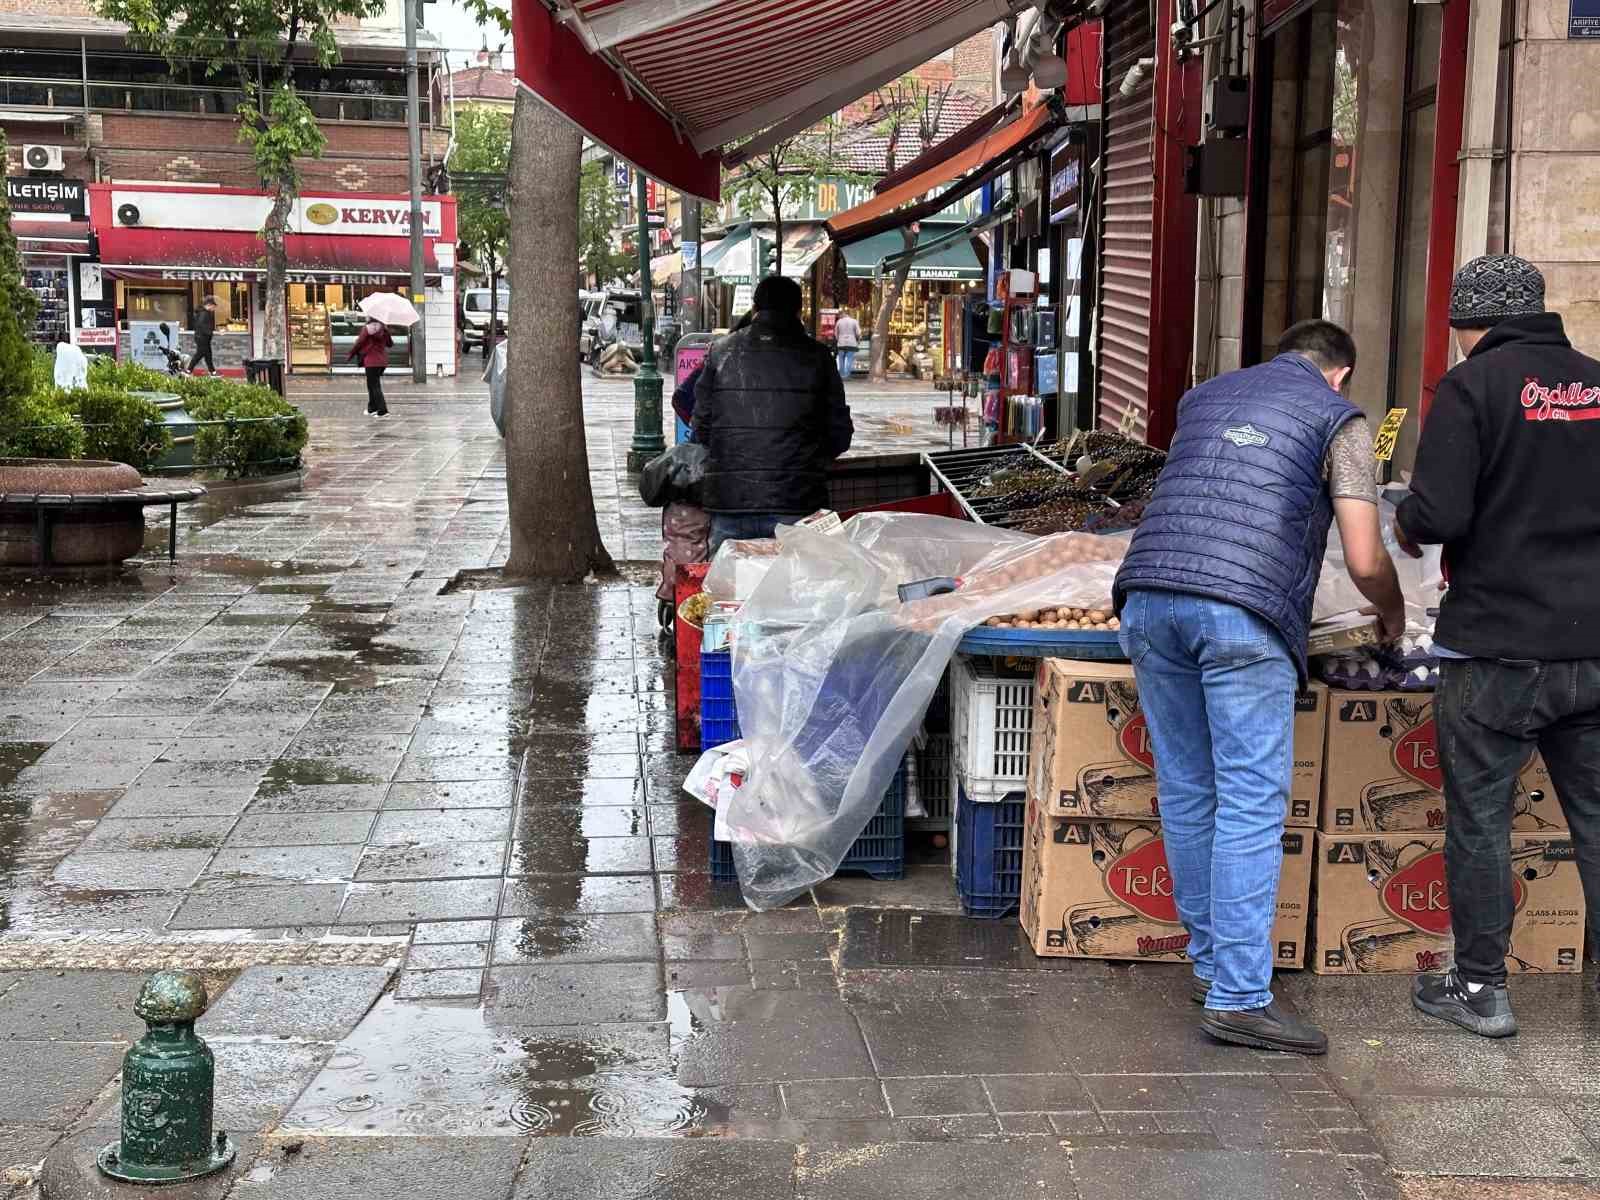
(771,413)
(1508,481)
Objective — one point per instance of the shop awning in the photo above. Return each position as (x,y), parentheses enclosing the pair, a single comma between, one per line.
(51,237)
(963,172)
(196,253)
(733,257)
(665,268)
(956,261)
(668,84)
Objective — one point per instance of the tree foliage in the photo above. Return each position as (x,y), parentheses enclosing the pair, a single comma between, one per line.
(263,40)
(482,146)
(17,308)
(788,173)
(598,213)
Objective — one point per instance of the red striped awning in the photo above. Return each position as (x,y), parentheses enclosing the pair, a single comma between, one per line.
(668,84)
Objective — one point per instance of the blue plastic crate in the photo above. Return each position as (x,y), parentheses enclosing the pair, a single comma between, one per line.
(880,851)
(989,854)
(719,719)
(1093,645)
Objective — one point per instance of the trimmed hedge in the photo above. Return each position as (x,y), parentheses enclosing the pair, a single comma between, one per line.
(105,420)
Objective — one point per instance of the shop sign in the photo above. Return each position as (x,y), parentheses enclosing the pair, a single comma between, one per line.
(208,275)
(64,197)
(347,277)
(150,341)
(1066,182)
(101,337)
(691,255)
(936,272)
(384,218)
(1583,19)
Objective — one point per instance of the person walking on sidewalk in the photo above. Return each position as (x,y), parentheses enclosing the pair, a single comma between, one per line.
(372,352)
(847,340)
(1215,599)
(1506,482)
(771,413)
(205,328)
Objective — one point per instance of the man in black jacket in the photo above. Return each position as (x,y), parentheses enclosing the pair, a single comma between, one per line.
(205,326)
(1508,481)
(770,411)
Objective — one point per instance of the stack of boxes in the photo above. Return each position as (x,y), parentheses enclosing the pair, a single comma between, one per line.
(1382,902)
(1095,882)
(1364,837)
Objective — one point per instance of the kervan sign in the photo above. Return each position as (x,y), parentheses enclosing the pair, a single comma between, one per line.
(64,197)
(363,217)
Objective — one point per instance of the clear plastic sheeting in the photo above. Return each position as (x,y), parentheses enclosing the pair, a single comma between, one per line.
(832,673)
(1421,579)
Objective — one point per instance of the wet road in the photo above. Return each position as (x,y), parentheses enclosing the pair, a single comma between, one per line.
(430,849)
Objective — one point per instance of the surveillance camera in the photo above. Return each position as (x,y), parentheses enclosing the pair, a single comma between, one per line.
(1135,76)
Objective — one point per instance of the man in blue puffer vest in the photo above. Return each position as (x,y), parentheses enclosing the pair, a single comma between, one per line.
(1215,598)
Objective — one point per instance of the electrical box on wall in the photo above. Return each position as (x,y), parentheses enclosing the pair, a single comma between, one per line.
(1229,109)
(1215,168)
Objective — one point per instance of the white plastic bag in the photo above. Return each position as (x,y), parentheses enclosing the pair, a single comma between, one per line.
(1421,579)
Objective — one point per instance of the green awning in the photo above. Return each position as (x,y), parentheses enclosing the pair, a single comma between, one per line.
(952,262)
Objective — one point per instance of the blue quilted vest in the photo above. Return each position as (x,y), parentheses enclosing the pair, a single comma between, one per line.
(1241,510)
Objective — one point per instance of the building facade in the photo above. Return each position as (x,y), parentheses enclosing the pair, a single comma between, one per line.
(1336,159)
(81,111)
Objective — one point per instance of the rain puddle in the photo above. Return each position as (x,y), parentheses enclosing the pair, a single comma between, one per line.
(430,1069)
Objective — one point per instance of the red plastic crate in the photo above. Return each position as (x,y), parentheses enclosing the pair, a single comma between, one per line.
(689,581)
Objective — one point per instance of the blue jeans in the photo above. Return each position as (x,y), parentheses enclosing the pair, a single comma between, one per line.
(1217,685)
(847,361)
(738,527)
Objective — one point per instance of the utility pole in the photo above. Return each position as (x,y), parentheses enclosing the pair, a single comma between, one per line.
(416,336)
(690,317)
(647,439)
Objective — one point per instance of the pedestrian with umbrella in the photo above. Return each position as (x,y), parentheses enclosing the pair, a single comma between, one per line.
(372,345)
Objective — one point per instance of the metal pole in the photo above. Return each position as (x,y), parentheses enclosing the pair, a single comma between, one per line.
(689,312)
(647,439)
(417,335)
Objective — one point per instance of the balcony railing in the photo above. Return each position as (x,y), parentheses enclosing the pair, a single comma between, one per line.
(105,96)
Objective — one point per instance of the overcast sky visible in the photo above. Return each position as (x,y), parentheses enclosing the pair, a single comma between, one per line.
(449,21)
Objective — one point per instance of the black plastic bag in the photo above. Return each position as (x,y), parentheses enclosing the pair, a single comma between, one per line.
(675,476)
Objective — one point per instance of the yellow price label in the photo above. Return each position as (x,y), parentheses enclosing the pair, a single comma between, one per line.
(1388,434)
(419,298)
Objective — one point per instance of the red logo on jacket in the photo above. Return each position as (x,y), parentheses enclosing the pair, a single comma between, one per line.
(1563,402)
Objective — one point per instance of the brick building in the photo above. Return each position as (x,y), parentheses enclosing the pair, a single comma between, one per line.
(78,108)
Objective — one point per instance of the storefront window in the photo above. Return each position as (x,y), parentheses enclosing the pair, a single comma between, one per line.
(170,304)
(233,304)
(1349,187)
(324,322)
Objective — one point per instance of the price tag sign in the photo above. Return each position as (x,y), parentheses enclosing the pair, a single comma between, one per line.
(1388,434)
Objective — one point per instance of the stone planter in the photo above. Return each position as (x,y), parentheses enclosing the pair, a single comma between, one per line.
(62,513)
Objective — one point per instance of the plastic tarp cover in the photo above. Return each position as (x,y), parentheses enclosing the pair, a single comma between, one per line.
(1421,579)
(832,674)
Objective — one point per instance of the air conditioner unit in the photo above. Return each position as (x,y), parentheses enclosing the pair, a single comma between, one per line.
(43,158)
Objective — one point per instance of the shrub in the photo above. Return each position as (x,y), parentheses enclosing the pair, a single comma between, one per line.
(105,371)
(253,447)
(39,427)
(120,426)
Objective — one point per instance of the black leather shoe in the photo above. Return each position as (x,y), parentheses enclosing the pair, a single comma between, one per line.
(1269,1028)
(1199,989)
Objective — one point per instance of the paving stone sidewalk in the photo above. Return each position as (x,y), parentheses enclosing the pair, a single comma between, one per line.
(429,849)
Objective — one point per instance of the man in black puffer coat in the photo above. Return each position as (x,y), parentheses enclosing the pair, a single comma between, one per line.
(771,413)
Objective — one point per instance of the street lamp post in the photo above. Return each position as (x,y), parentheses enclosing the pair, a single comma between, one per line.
(647,439)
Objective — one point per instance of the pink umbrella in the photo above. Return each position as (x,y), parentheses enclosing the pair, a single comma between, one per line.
(390,308)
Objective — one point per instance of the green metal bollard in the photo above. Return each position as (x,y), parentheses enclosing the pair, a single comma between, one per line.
(167,1082)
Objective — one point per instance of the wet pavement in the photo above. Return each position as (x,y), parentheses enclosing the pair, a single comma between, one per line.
(429,849)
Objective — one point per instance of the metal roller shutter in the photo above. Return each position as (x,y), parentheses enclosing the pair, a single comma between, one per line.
(1127,215)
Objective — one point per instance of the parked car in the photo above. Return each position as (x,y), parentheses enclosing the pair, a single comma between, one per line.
(346,326)
(612,316)
(475,316)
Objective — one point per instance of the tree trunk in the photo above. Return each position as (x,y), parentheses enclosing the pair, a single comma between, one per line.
(274,337)
(878,365)
(777,235)
(554,534)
